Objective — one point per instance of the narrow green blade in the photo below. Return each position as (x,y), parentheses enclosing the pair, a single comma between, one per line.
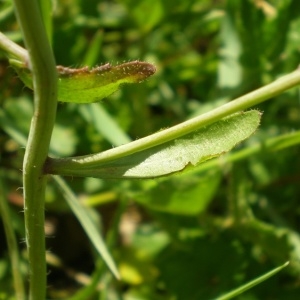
(88,225)
(252,283)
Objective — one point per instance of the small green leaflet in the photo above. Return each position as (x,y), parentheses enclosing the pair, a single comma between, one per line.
(86,85)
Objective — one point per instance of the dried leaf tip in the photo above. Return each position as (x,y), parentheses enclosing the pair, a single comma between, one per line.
(140,66)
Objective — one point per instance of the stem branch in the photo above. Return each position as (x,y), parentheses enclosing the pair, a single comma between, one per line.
(13,49)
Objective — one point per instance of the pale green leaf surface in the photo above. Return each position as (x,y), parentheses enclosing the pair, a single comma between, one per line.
(178,154)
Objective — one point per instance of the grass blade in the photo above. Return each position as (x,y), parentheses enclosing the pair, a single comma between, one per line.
(86,222)
(251,283)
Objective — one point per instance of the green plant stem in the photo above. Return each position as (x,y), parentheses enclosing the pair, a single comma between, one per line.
(66,165)
(11,243)
(12,49)
(44,73)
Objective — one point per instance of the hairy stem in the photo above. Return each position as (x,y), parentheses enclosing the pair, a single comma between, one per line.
(42,64)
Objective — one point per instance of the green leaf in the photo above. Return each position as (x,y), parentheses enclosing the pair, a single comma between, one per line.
(174,156)
(86,85)
(252,283)
(181,195)
(89,226)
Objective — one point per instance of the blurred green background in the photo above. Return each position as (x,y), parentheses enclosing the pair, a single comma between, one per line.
(190,236)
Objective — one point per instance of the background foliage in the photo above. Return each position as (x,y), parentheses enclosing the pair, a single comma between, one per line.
(190,236)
